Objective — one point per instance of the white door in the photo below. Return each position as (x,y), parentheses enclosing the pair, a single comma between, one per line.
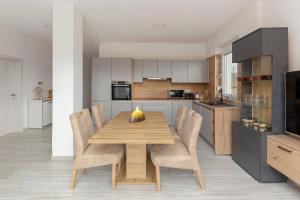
(10,98)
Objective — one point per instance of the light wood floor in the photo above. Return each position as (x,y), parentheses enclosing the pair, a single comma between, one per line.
(26,172)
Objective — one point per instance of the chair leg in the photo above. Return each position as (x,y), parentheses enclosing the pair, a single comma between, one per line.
(113,177)
(74,176)
(157,178)
(200,178)
(195,172)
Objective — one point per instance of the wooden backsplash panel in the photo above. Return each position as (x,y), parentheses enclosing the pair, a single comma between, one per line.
(214,75)
(158,89)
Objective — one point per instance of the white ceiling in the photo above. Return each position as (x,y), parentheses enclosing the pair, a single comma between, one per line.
(31,17)
(128,20)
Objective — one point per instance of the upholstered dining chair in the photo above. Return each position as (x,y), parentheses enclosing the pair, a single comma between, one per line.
(182,155)
(178,123)
(92,155)
(99,115)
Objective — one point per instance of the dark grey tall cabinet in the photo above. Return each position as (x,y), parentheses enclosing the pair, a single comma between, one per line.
(263,60)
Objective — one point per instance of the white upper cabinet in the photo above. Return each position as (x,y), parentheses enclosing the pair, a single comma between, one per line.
(121,69)
(205,71)
(137,71)
(164,69)
(150,68)
(179,71)
(101,79)
(197,71)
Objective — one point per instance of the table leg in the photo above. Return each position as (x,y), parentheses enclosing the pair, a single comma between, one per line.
(136,158)
(137,168)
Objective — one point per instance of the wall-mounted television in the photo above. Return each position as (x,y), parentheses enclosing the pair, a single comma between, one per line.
(292,103)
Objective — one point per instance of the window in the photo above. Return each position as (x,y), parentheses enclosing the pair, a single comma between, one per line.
(229,76)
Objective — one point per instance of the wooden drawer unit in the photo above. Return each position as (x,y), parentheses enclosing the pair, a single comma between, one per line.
(283,154)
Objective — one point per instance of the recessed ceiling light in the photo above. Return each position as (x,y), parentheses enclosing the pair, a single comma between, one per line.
(159,25)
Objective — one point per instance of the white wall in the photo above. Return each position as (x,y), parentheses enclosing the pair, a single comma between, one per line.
(247,22)
(36,60)
(153,50)
(87,81)
(264,13)
(279,13)
(67,74)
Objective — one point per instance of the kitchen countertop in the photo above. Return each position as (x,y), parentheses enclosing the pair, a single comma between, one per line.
(214,107)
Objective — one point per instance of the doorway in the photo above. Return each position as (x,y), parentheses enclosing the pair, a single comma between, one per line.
(10,96)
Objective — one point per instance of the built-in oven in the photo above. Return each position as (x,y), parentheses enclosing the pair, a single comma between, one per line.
(121,90)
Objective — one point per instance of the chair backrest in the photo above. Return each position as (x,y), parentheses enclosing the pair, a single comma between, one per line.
(180,116)
(83,129)
(99,115)
(191,129)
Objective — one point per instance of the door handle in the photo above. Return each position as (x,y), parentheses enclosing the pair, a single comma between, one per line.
(284,149)
(13,95)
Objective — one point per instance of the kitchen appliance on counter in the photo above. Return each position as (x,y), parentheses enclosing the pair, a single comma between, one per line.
(181,94)
(189,95)
(176,94)
(121,90)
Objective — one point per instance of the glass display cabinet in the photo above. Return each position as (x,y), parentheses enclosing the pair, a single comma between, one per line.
(256,90)
(262,58)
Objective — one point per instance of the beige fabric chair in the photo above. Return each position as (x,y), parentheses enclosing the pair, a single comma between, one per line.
(182,155)
(178,124)
(92,155)
(99,115)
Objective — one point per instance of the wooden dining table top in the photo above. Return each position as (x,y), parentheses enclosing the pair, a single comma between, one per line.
(153,130)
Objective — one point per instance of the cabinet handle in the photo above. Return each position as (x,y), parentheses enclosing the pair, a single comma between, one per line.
(284,149)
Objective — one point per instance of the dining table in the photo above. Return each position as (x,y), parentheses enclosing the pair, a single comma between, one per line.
(137,167)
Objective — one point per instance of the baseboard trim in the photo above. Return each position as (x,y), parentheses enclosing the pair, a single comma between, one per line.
(62,157)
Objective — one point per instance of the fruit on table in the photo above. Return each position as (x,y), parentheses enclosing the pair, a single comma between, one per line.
(137,116)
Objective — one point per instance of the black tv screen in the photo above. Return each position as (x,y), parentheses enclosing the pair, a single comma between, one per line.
(292,103)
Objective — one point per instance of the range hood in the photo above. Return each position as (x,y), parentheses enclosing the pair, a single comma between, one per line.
(156,78)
